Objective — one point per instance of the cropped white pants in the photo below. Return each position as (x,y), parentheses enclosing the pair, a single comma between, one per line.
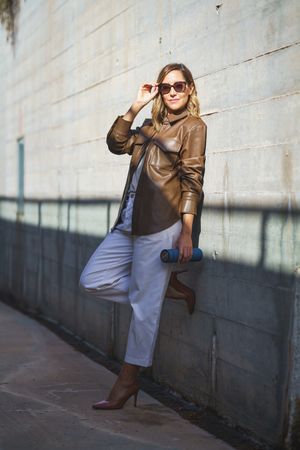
(128,269)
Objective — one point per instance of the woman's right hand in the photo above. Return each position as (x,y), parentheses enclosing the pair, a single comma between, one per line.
(146,93)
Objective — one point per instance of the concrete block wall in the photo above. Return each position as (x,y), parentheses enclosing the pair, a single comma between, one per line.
(76,66)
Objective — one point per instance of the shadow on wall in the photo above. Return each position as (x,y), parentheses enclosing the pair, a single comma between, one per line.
(234,354)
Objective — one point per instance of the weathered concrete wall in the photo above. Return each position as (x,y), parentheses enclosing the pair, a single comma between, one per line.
(75,66)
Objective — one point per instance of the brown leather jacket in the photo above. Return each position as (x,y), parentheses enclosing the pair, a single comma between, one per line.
(172,176)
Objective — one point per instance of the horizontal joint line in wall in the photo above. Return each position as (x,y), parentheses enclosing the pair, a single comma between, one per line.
(242,324)
(253,147)
(107,21)
(249,59)
(256,102)
(57,55)
(80,91)
(76,144)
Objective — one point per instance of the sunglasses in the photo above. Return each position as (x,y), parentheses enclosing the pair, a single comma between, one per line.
(179,86)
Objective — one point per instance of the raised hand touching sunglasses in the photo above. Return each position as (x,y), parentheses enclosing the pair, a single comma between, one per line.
(146,93)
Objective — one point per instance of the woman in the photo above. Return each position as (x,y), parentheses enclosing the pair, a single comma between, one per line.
(157,210)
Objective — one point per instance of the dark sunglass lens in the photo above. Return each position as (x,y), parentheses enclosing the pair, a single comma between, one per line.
(165,89)
(179,86)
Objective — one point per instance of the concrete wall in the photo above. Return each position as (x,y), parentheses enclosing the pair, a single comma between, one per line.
(74,67)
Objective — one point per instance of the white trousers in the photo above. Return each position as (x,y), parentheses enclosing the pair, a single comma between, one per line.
(127,269)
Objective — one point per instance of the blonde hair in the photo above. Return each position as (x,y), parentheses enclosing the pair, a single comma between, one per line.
(159,110)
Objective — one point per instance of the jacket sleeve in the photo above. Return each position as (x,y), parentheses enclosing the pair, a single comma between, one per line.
(192,168)
(120,138)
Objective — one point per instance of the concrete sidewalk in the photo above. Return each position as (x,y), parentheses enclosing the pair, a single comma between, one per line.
(47,388)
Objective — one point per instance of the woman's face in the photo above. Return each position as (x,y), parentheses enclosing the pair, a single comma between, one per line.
(174,101)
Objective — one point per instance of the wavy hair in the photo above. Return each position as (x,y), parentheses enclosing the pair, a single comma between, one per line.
(159,110)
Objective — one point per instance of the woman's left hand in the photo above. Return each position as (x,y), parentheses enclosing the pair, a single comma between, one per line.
(185,246)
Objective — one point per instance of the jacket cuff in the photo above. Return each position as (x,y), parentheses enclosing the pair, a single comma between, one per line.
(122,126)
(189,204)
